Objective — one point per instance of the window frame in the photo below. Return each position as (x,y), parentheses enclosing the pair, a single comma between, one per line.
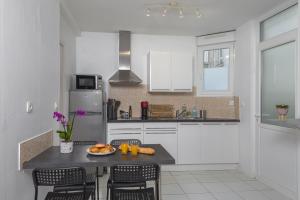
(200,70)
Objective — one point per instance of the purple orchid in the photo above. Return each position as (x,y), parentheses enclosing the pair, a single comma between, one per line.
(67,125)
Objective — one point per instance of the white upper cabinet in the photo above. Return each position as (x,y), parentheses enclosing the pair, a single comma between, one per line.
(170,72)
(182,72)
(159,71)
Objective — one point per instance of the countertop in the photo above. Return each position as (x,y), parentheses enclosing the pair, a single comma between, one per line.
(134,120)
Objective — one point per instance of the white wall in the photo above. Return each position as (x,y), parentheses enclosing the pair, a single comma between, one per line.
(29,71)
(68,36)
(245,89)
(98,52)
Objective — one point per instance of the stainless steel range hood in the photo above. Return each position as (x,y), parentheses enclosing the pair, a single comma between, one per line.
(124,76)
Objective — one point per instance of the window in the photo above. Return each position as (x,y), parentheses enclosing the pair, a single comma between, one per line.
(215,69)
(280,23)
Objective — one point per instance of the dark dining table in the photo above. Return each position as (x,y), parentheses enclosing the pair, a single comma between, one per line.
(80,158)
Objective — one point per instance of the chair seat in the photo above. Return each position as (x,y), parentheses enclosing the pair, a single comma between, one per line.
(125,184)
(68,196)
(141,194)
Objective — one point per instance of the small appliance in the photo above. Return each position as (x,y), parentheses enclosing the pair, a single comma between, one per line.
(87,82)
(144,110)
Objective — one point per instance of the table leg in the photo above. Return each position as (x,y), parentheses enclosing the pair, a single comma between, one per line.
(158,186)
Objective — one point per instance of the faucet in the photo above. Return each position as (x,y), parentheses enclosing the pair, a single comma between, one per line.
(180,114)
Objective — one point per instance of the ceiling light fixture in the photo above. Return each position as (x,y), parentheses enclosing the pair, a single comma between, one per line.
(173,8)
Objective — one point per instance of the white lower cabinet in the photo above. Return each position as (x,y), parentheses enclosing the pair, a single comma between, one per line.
(164,134)
(189,140)
(208,143)
(219,143)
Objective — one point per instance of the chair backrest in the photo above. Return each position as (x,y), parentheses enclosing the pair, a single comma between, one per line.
(126,173)
(151,172)
(128,141)
(59,176)
(84,142)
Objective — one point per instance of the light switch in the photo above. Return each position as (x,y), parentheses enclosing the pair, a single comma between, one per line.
(29,107)
(55,106)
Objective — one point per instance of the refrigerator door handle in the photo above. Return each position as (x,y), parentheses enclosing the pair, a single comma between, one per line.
(90,113)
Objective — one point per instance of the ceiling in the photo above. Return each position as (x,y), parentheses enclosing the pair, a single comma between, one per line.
(115,15)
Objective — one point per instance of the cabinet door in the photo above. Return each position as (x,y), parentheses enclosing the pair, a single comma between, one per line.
(189,141)
(219,143)
(159,72)
(182,72)
(167,138)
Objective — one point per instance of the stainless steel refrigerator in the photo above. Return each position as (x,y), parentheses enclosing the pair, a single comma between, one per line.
(92,126)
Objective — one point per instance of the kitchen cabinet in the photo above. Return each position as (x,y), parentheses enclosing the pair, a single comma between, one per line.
(208,143)
(182,72)
(219,143)
(159,71)
(125,131)
(164,134)
(189,140)
(170,72)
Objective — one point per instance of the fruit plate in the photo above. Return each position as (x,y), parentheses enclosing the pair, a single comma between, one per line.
(101,154)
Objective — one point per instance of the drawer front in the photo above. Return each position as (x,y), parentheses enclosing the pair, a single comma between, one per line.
(119,136)
(115,127)
(160,126)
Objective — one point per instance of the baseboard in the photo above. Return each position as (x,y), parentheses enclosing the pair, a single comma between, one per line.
(199,167)
(282,189)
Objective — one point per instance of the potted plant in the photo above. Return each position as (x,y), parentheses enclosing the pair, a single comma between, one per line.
(282,111)
(66,144)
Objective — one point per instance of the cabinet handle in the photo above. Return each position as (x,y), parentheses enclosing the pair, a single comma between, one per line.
(161,133)
(122,129)
(182,89)
(125,133)
(161,128)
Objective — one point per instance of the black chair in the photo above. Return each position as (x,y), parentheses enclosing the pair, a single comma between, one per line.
(141,194)
(91,179)
(126,176)
(117,143)
(63,177)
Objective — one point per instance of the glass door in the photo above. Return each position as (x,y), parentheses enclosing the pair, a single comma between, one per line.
(278,80)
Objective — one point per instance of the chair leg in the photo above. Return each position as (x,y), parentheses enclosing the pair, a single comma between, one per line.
(97,182)
(157,189)
(107,192)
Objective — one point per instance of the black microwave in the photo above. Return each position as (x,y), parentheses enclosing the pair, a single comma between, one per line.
(86,82)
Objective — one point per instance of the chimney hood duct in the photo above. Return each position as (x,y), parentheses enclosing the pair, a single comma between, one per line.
(124,76)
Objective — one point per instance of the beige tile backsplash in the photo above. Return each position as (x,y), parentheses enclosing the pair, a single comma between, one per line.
(34,146)
(217,107)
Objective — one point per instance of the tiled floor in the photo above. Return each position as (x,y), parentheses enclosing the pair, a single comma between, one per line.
(210,185)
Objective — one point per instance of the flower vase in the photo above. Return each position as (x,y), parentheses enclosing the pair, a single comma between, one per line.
(66,147)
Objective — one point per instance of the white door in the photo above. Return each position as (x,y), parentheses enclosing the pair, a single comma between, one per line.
(159,71)
(182,72)
(189,143)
